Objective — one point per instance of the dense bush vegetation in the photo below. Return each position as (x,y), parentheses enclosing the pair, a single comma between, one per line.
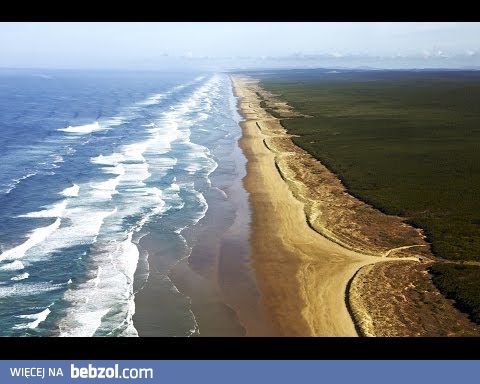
(460,283)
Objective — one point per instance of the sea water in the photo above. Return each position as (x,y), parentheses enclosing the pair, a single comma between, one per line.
(91,163)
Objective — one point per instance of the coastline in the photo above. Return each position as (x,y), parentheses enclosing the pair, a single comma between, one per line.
(302,275)
(207,265)
(331,242)
(273,255)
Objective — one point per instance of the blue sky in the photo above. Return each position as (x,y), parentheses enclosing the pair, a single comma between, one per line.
(238,45)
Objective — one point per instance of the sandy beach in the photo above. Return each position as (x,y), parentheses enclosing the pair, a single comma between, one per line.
(302,275)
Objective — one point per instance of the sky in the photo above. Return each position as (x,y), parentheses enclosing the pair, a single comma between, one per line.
(234,45)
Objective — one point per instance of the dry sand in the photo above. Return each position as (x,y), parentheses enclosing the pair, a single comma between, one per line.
(404,303)
(302,275)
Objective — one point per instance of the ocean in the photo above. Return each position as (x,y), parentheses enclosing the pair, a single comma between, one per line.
(105,185)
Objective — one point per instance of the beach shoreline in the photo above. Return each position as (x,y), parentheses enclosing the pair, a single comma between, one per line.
(346,279)
(302,275)
(209,268)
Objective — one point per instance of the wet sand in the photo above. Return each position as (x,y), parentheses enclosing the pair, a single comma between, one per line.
(217,276)
(214,274)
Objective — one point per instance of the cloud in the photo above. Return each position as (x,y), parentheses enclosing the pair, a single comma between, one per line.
(434,53)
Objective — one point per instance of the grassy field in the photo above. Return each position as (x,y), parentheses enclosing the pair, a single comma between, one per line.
(407,142)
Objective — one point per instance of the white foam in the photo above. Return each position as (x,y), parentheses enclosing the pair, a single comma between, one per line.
(130,330)
(193,168)
(179,230)
(96,280)
(43,76)
(154,197)
(135,175)
(36,317)
(26,176)
(83,325)
(161,165)
(130,163)
(15,182)
(84,129)
(180,87)
(129,263)
(116,170)
(198,159)
(84,226)
(174,187)
(115,121)
(83,222)
(16,265)
(110,286)
(134,152)
(203,116)
(203,205)
(152,100)
(163,136)
(56,210)
(112,159)
(71,191)
(105,189)
(36,237)
(22,276)
(28,289)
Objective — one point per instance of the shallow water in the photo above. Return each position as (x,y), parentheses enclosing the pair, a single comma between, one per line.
(107,182)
